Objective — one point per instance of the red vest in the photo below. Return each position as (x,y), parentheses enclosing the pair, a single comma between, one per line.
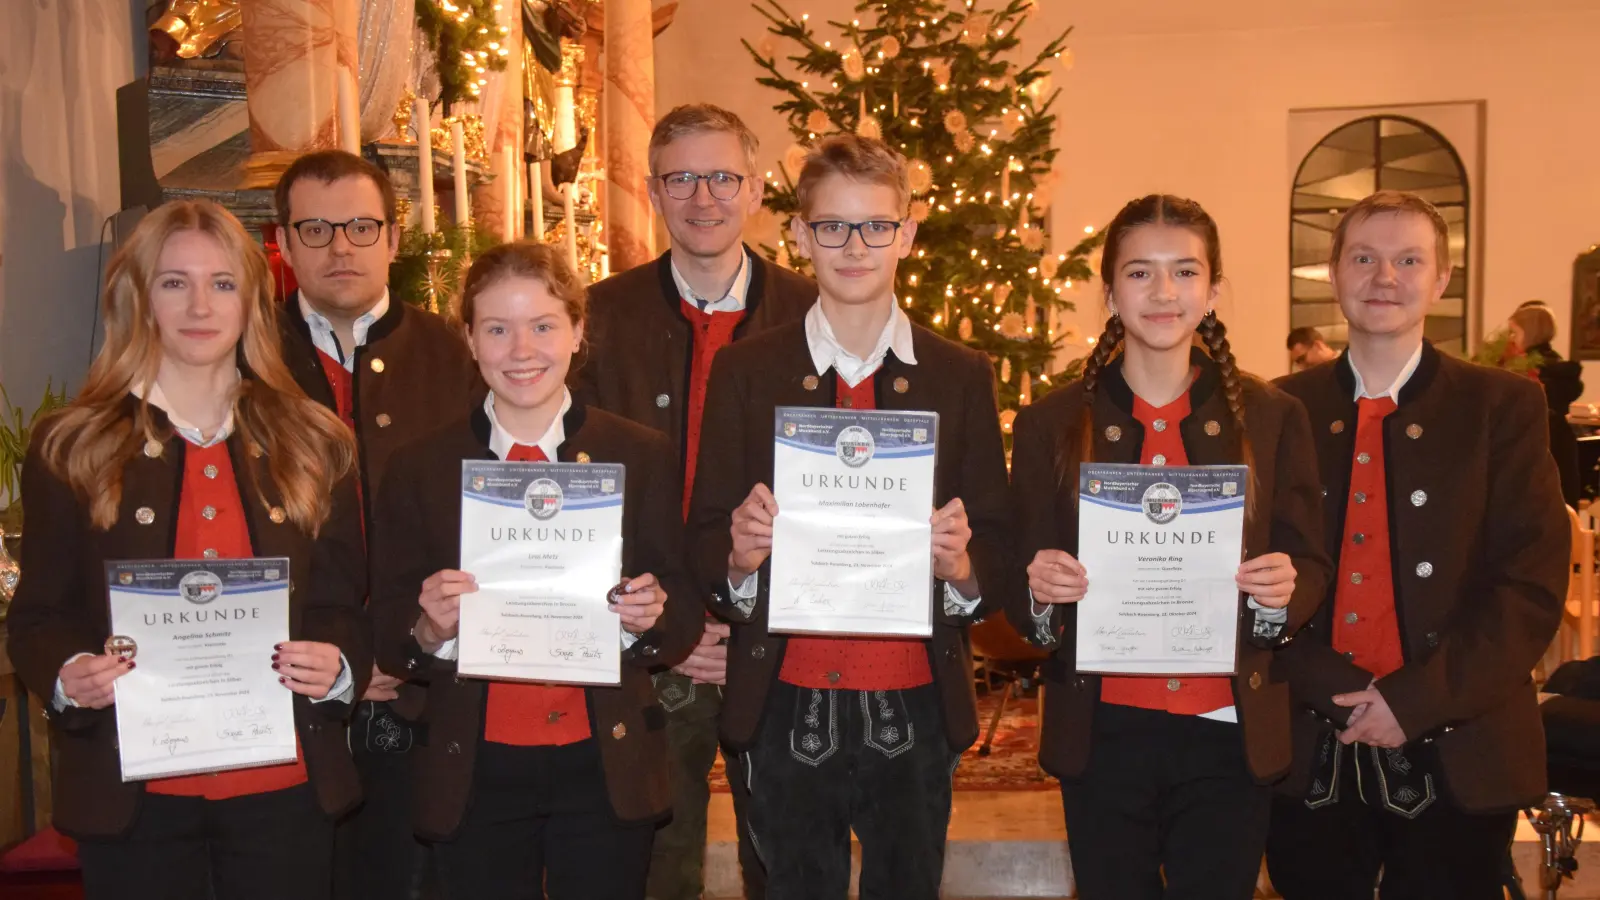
(712,332)
(530,715)
(343,384)
(209,485)
(857,664)
(1364,620)
(1182,696)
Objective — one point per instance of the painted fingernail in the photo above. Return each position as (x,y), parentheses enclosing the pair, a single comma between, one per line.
(277,646)
(131,664)
(274,657)
(274,665)
(283,681)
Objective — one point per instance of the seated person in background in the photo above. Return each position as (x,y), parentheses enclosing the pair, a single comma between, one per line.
(1532,329)
(1307,348)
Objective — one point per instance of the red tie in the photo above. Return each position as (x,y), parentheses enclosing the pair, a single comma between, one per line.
(525,453)
(534,714)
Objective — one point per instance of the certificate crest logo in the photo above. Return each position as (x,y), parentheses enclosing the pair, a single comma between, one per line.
(789,429)
(1094,486)
(919,435)
(125,578)
(1162,503)
(854,446)
(269,574)
(608,485)
(478,482)
(200,588)
(1230,488)
(543,499)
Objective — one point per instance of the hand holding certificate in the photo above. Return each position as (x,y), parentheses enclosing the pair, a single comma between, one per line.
(543,544)
(1162,546)
(203,696)
(852,545)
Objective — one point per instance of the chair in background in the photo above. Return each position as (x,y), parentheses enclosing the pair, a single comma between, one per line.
(1000,653)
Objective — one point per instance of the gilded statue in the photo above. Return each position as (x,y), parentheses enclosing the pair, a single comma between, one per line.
(188,29)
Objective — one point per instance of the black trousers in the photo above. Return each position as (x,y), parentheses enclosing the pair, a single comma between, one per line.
(829,762)
(540,824)
(376,854)
(258,847)
(1165,794)
(677,860)
(1336,852)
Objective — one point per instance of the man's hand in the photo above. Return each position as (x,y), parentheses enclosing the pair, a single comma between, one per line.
(1373,722)
(382,687)
(752,533)
(708,664)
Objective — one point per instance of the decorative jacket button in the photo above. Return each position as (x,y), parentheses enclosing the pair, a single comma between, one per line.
(809,382)
(619,731)
(1419,497)
(833,677)
(459,680)
(276,514)
(1363,458)
(847,402)
(377,364)
(1077,681)
(1213,428)
(1113,433)
(649,650)
(383,420)
(1337,427)
(758,652)
(152,448)
(1173,684)
(210,471)
(1424,569)
(453,748)
(1352,618)
(1358,538)
(949,653)
(1255,681)
(1361,497)
(1433,638)
(411,663)
(1355,577)
(209,512)
(144,515)
(1159,425)
(662,400)
(901,385)
(1160,459)
(210,553)
(1413,431)
(582,457)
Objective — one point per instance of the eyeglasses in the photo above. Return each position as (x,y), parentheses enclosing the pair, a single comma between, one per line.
(316,233)
(833,234)
(682,185)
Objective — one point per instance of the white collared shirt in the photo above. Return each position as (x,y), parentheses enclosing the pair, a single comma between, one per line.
(731,301)
(500,443)
(1399,382)
(325,339)
(827,353)
(155,396)
(343,687)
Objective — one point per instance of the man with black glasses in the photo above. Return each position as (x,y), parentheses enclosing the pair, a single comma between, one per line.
(393,372)
(652,333)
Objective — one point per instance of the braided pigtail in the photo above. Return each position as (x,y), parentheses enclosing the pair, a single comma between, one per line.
(1073,453)
(1215,336)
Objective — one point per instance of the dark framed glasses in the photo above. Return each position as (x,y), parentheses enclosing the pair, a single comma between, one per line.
(682,185)
(317,233)
(833,234)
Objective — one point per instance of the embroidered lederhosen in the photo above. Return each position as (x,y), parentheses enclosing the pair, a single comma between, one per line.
(1399,780)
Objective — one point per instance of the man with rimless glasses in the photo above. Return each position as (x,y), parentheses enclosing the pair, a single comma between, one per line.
(392,372)
(652,333)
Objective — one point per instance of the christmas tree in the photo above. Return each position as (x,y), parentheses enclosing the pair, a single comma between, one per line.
(938,85)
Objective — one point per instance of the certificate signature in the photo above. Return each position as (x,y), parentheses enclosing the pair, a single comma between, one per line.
(574,643)
(812,592)
(503,642)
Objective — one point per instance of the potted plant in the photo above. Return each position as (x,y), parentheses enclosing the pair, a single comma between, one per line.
(16,428)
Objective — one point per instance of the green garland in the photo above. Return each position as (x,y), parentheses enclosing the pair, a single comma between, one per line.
(409,275)
(468,42)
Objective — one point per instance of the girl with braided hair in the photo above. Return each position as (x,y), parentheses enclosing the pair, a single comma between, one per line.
(1167,776)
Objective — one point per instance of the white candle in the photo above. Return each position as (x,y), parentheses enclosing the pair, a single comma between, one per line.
(536,182)
(1005,184)
(572,226)
(566,119)
(419,119)
(508,180)
(349,119)
(458,163)
(605,265)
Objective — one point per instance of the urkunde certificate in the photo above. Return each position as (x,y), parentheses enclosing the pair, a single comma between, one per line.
(204,696)
(852,546)
(1162,545)
(544,541)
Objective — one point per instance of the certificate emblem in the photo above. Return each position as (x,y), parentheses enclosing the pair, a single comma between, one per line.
(608,485)
(478,482)
(854,446)
(269,574)
(125,578)
(543,499)
(1094,486)
(919,435)
(200,587)
(789,429)
(1162,503)
(1230,489)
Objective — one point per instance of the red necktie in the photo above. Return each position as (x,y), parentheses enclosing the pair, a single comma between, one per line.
(525,453)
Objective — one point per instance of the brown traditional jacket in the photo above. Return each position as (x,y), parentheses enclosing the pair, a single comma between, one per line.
(420,508)
(1286,520)
(60,610)
(748,381)
(640,347)
(1480,548)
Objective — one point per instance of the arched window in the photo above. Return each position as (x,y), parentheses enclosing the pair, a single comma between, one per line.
(1371,154)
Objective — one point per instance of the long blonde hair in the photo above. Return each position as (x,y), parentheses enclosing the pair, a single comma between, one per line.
(88,444)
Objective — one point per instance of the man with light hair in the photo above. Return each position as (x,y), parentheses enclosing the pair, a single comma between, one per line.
(652,333)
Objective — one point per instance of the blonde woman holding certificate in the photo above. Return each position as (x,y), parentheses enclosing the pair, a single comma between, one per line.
(191,441)
(1164,779)
(520,784)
